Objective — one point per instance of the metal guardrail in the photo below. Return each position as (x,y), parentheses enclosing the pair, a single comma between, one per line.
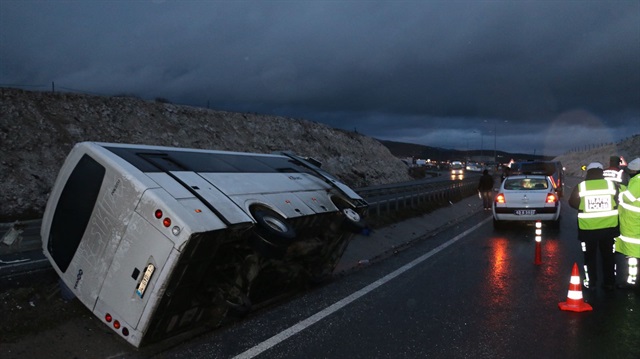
(435,193)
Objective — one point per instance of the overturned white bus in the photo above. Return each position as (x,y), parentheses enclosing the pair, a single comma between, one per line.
(158,241)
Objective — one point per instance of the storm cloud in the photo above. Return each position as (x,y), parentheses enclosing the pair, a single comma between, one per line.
(544,76)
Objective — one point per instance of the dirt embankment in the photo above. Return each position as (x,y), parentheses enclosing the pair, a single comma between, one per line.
(38,129)
(573,161)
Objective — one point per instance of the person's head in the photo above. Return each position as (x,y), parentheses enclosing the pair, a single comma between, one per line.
(485,172)
(594,170)
(633,168)
(614,161)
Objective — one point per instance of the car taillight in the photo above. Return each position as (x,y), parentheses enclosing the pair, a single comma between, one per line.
(551,198)
(500,198)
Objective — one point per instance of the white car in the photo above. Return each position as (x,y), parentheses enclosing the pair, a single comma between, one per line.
(526,198)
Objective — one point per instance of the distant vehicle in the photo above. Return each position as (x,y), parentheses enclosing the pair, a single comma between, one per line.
(552,169)
(158,241)
(491,165)
(526,198)
(473,167)
(457,169)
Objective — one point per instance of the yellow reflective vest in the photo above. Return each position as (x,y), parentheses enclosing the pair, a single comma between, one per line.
(598,208)
(628,243)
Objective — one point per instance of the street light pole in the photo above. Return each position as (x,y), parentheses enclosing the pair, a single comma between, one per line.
(495,140)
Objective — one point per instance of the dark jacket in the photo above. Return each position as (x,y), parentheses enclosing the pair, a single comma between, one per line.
(486,182)
(574,201)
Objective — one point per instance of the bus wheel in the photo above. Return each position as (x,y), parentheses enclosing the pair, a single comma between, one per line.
(273,227)
(352,221)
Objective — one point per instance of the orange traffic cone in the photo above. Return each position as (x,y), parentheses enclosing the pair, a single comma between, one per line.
(574,301)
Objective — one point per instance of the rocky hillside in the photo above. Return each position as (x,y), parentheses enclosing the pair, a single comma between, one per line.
(38,129)
(573,161)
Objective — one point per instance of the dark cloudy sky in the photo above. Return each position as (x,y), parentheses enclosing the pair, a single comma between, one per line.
(544,76)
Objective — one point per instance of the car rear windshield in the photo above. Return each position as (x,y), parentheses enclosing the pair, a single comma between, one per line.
(525,183)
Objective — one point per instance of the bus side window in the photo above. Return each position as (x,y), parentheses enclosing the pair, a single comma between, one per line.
(74,209)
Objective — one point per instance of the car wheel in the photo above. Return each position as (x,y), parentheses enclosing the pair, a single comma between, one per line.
(497,224)
(273,228)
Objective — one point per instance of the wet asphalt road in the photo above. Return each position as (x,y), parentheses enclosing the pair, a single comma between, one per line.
(481,296)
(467,292)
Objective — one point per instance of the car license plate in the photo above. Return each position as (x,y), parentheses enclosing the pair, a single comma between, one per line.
(524,212)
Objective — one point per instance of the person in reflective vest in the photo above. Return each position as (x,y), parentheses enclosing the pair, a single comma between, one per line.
(614,172)
(628,243)
(596,201)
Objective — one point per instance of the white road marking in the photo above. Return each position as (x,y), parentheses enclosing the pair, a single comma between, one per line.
(300,326)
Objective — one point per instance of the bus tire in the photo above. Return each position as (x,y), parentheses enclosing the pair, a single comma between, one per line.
(352,221)
(273,228)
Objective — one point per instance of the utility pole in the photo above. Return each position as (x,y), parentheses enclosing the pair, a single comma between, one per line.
(495,140)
